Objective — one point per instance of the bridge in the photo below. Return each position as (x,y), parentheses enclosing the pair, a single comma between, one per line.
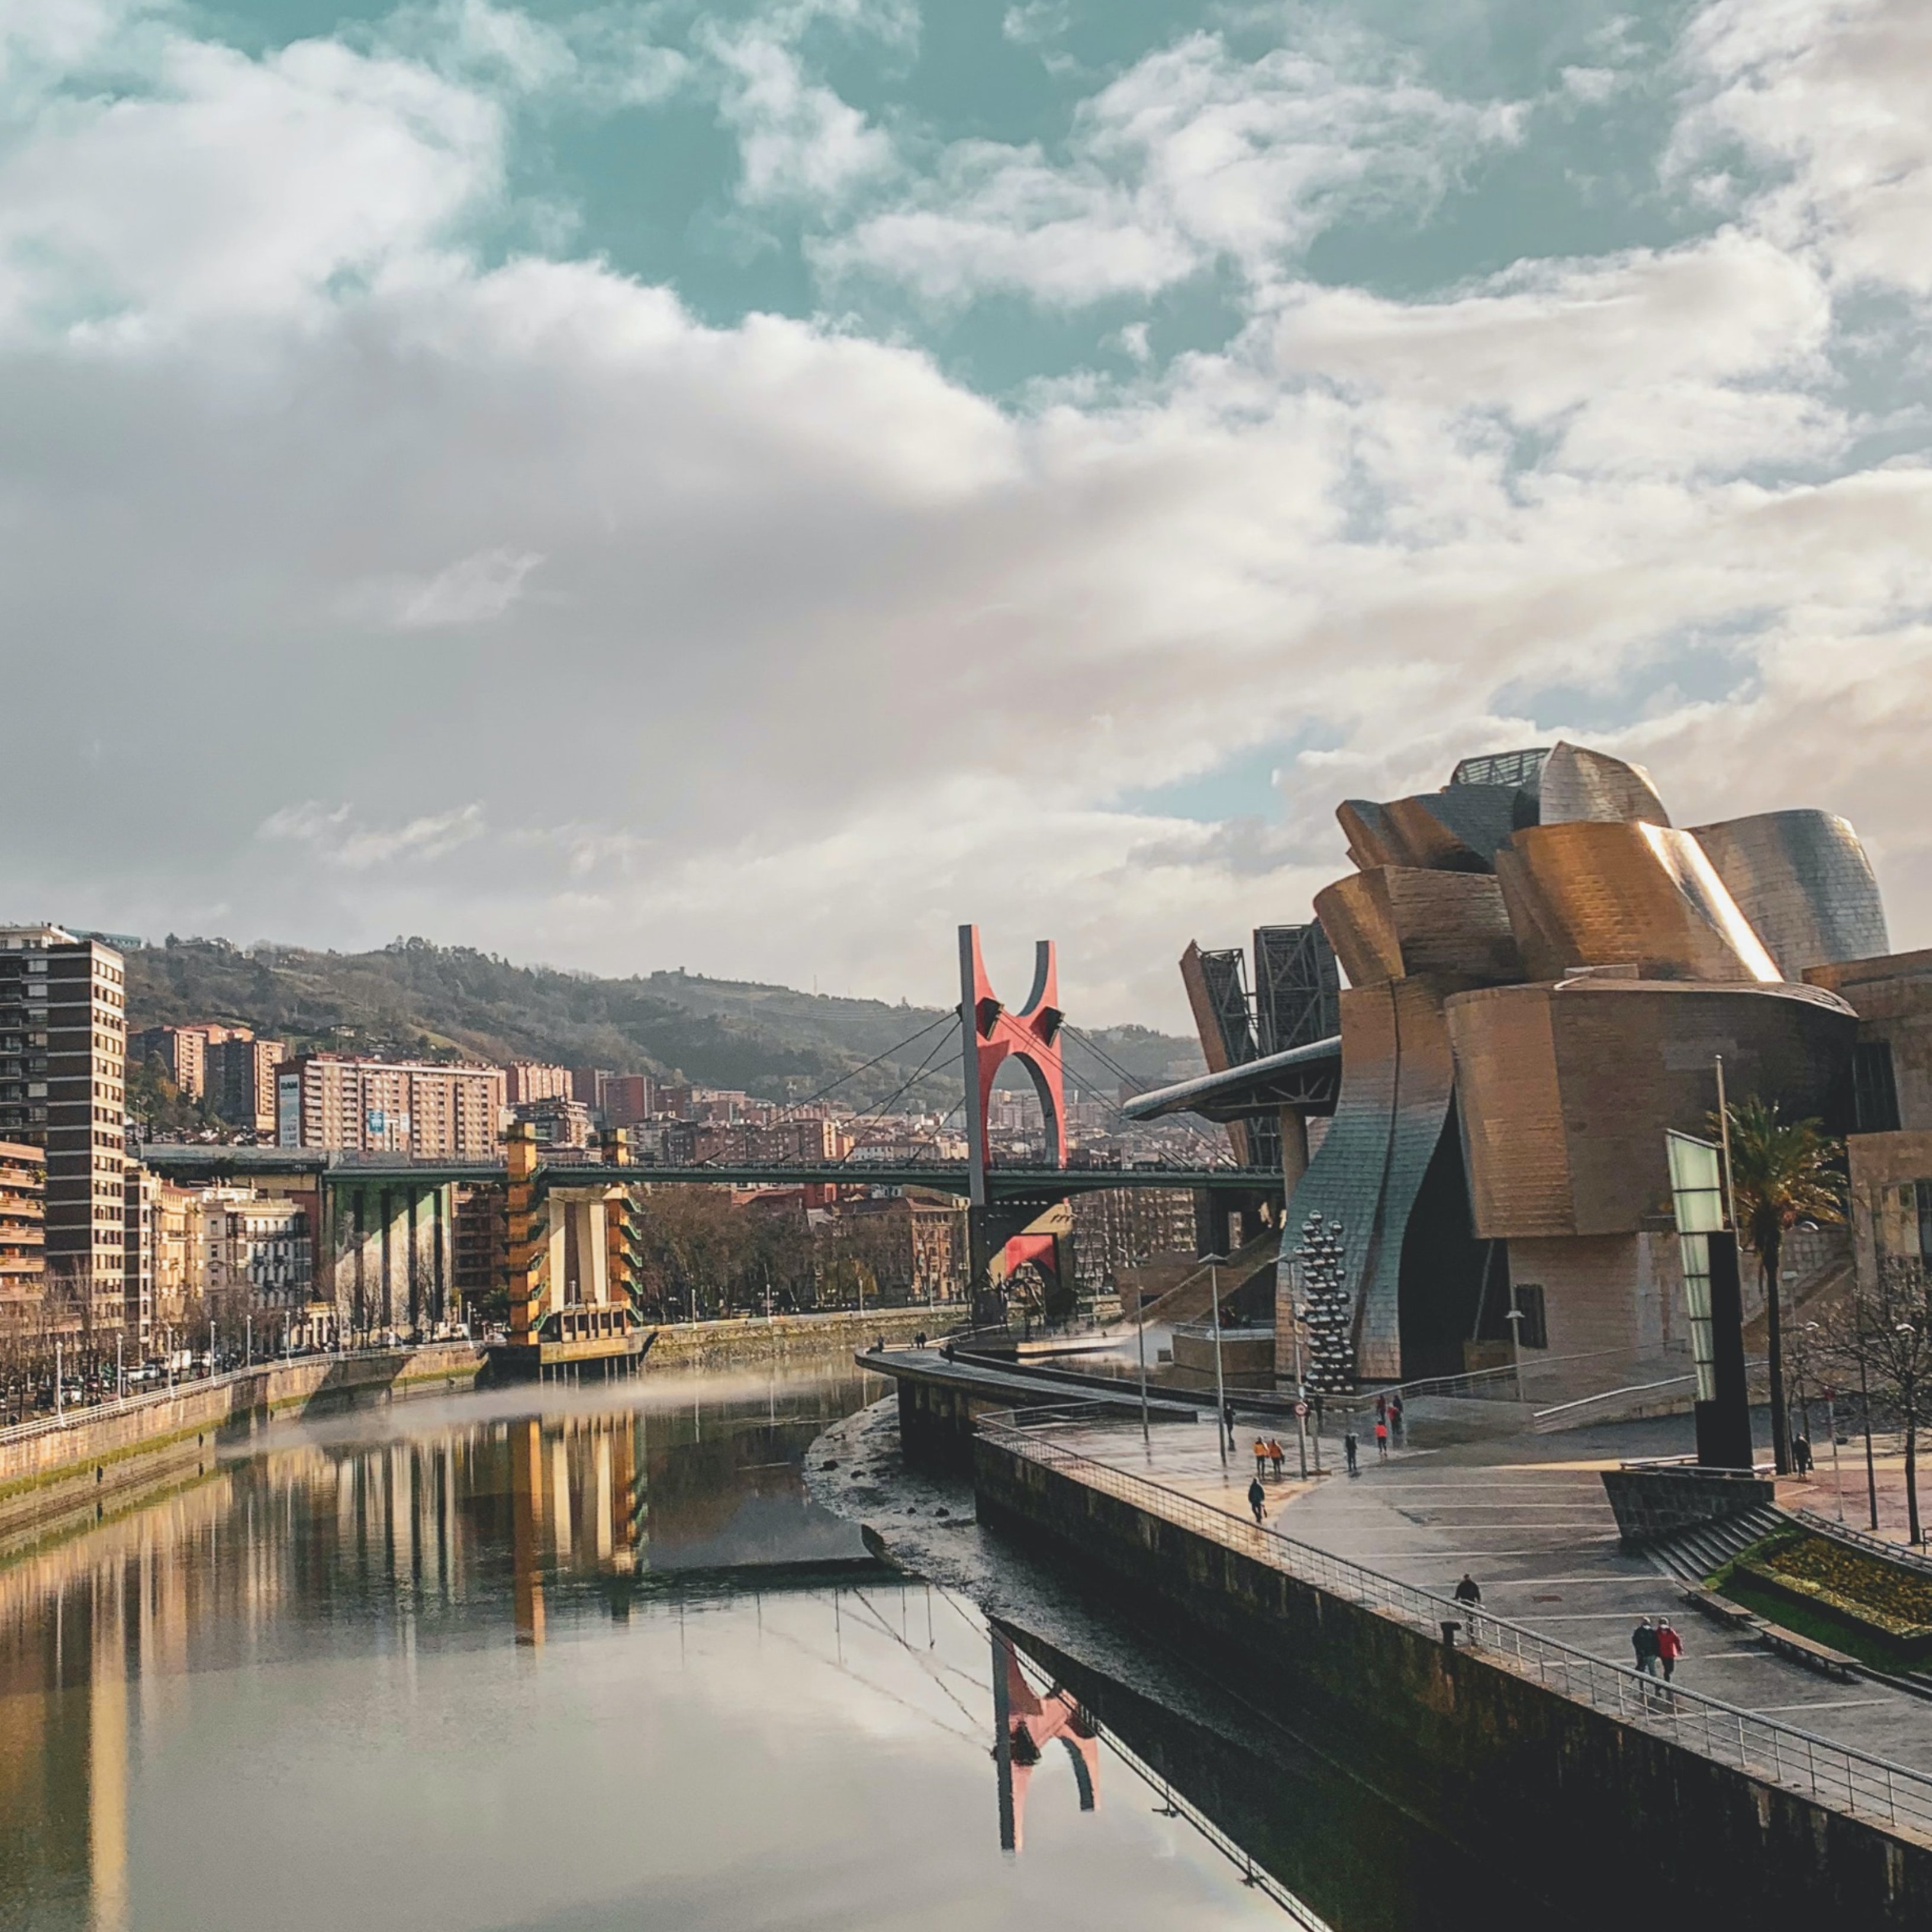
(383,1224)
(204,1164)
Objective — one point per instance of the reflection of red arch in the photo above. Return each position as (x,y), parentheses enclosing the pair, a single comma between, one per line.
(1025,1722)
(1031,1036)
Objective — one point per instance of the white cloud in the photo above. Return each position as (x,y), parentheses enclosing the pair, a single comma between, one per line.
(228,186)
(472,590)
(797,139)
(337,840)
(1834,92)
(827,652)
(1192,156)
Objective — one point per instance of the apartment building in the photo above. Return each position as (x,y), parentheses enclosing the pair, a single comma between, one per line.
(63,1067)
(557,1121)
(260,1257)
(624,1100)
(389,1106)
(23,1207)
(525,1081)
(241,1076)
(182,1051)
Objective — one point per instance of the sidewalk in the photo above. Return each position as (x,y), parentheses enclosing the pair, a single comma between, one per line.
(1528,1520)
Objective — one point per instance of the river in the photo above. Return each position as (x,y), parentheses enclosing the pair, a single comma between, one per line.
(492,1662)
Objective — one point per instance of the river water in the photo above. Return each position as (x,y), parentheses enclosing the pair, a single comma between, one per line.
(484,1663)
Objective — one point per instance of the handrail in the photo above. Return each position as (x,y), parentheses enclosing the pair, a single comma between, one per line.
(1901,1553)
(1839,1776)
(1609,1395)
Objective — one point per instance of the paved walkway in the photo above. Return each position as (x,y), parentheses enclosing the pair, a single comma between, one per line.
(1527,1519)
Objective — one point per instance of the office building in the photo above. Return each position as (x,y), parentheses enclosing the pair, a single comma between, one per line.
(386,1106)
(63,1064)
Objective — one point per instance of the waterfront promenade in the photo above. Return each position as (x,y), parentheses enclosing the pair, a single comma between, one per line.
(1527,1517)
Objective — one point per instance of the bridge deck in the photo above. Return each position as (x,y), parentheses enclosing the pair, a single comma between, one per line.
(1003,1183)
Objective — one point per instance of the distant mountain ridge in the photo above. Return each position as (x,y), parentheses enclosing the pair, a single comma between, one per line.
(413,996)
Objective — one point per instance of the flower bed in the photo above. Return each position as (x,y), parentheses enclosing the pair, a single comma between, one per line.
(1894,1602)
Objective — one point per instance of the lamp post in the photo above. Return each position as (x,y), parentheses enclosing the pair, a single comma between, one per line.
(1223,1427)
(1514,1317)
(1140,1343)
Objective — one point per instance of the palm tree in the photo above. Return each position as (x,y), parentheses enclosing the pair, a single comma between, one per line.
(1782,1172)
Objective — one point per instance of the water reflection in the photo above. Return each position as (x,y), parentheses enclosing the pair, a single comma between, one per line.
(465,1667)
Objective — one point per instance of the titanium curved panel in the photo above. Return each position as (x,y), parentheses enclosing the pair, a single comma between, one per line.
(1598,893)
(1581,784)
(1566,1089)
(1803,880)
(1394,922)
(1397,1081)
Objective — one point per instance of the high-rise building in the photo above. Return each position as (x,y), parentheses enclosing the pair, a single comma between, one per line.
(526,1080)
(23,1208)
(241,1079)
(181,1050)
(63,1064)
(389,1106)
(625,1099)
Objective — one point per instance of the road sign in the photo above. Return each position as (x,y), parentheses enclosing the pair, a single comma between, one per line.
(1301,1408)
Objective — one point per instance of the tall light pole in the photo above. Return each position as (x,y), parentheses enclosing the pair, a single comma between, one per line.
(1222,1425)
(1140,1340)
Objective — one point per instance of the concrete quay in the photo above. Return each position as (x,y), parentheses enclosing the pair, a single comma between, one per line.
(55,1474)
(1528,1741)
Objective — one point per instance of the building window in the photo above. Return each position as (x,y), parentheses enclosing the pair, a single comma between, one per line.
(1874,1091)
(1533,1331)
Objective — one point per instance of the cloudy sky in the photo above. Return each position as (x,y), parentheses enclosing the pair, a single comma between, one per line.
(749,486)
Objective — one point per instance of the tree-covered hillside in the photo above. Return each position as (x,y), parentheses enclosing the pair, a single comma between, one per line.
(419,998)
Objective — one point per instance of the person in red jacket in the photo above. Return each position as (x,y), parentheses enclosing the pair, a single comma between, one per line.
(1669,1648)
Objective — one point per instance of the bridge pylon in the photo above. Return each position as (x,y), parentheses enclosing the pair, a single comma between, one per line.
(1005,1235)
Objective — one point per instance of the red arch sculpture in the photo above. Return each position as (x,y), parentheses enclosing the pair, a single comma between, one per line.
(990,1034)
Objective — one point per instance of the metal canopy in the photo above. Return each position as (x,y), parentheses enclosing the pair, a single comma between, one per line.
(1306,1078)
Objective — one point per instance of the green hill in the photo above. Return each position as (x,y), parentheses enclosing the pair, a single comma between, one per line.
(420,999)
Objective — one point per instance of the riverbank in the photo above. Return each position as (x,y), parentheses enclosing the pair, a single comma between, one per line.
(54,1475)
(1500,1737)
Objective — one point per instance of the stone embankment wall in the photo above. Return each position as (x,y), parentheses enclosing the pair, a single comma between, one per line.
(790,1337)
(80,1469)
(1616,1827)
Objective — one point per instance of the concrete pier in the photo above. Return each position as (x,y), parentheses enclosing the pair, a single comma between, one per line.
(1629,1803)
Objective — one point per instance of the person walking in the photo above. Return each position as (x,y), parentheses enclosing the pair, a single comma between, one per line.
(1351,1449)
(1801,1454)
(1469,1591)
(1643,1646)
(1395,1416)
(1381,1408)
(1257,1497)
(1261,1458)
(1381,1438)
(1228,1421)
(1669,1648)
(1276,1455)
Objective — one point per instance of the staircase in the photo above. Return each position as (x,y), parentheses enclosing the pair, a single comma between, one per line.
(1700,1551)
(1189,1302)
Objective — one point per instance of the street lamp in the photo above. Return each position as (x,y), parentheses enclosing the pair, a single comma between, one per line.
(1224,1428)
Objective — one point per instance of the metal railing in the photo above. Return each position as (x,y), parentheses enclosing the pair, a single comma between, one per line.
(76,1414)
(1837,1776)
(1901,1553)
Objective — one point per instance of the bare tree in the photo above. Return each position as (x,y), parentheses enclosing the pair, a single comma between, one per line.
(1898,1326)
